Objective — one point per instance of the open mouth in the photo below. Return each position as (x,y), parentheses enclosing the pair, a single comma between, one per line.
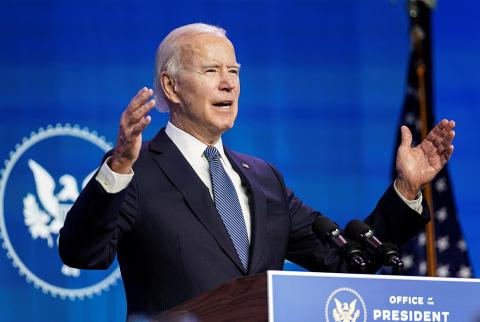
(223,104)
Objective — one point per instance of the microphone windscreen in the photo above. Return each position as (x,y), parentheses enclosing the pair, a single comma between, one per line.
(322,226)
(355,229)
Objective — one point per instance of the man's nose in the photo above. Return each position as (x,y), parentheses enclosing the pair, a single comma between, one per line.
(227,82)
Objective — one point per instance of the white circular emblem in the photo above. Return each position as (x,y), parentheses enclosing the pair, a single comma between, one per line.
(45,168)
(345,305)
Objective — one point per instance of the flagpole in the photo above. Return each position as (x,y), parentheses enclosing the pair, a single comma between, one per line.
(418,36)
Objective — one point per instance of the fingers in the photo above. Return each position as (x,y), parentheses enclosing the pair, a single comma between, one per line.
(442,141)
(140,99)
(446,124)
(132,122)
(138,107)
(441,138)
(135,119)
(446,155)
(444,127)
(406,136)
(140,126)
(139,114)
(442,135)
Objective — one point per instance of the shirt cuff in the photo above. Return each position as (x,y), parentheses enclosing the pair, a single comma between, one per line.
(414,204)
(111,181)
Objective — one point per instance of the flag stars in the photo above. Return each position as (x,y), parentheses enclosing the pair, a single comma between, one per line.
(422,268)
(462,245)
(421,239)
(407,261)
(443,270)
(441,214)
(464,272)
(410,119)
(441,185)
(412,91)
(443,243)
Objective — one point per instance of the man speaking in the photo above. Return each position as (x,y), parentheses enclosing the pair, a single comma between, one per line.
(184,214)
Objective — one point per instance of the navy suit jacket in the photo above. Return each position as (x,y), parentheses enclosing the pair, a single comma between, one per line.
(171,243)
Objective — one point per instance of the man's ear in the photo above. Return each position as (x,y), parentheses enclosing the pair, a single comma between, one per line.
(168,85)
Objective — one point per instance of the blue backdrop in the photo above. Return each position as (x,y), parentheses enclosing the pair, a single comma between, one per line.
(322,88)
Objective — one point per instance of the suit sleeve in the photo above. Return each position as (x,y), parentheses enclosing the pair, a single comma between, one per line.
(392,220)
(94,225)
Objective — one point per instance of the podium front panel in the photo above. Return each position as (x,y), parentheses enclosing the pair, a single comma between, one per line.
(299,296)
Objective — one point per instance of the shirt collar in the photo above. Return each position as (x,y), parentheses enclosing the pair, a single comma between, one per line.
(191,148)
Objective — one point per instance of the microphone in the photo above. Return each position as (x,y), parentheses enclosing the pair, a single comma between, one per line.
(359,231)
(327,231)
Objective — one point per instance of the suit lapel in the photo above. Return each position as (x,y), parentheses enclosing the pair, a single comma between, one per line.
(169,158)
(258,209)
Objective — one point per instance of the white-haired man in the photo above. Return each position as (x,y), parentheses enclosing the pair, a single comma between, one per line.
(185,214)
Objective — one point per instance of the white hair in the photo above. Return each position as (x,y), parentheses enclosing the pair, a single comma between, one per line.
(168,56)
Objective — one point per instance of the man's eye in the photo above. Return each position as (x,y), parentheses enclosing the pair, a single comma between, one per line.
(234,71)
(210,70)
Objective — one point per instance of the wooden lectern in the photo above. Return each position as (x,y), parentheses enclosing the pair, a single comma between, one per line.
(244,299)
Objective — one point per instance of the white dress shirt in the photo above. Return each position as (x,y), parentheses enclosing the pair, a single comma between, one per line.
(192,149)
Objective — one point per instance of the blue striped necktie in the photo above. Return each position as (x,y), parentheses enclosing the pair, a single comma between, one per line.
(227,204)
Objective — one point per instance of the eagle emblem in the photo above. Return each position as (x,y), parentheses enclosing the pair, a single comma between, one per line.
(345,312)
(44,220)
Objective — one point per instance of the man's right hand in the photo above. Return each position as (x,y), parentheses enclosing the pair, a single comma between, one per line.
(129,141)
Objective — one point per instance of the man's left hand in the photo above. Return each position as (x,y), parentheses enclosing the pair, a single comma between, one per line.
(419,165)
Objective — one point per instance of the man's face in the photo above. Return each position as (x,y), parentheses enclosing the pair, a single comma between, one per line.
(207,87)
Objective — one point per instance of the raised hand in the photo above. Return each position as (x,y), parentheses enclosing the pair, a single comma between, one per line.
(129,141)
(419,165)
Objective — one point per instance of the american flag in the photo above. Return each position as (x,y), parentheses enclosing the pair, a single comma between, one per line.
(451,248)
